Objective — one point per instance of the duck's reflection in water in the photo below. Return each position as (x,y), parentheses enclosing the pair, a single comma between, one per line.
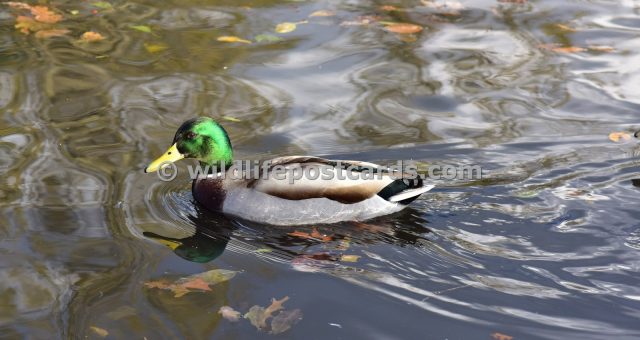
(212,233)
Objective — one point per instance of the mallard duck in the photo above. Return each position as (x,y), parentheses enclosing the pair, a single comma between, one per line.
(274,197)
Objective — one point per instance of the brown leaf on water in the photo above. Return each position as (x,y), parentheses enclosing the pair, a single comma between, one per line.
(500,336)
(315,235)
(601,48)
(617,136)
(229,313)
(18,5)
(26,24)
(51,33)
(285,320)
(44,14)
(564,28)
(196,283)
(322,13)
(389,8)
(402,28)
(91,36)
(561,49)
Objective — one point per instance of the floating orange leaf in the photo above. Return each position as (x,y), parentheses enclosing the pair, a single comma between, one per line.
(51,33)
(91,36)
(198,282)
(617,136)
(44,14)
(500,336)
(323,13)
(315,235)
(402,28)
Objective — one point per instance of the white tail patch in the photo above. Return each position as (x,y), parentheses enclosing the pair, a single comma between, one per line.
(410,193)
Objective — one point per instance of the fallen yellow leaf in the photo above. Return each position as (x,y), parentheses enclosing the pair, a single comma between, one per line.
(323,13)
(564,28)
(349,258)
(286,27)
(617,136)
(228,38)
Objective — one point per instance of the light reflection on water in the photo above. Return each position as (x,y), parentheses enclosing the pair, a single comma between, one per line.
(545,246)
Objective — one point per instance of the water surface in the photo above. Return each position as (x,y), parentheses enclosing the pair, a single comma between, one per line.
(544,247)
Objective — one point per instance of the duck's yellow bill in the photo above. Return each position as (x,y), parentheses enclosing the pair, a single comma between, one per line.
(169,243)
(172,155)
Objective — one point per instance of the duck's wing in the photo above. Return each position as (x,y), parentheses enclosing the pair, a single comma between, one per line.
(304,177)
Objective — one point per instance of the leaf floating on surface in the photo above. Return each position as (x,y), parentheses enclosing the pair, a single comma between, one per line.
(601,48)
(285,320)
(267,38)
(322,13)
(231,119)
(91,36)
(561,49)
(286,27)
(349,258)
(500,336)
(141,28)
(402,28)
(26,24)
(315,235)
(102,4)
(233,39)
(617,136)
(229,313)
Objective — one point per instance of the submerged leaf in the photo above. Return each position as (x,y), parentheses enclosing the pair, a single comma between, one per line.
(91,36)
(323,13)
(99,331)
(285,320)
(102,4)
(286,27)
(259,315)
(233,39)
(51,33)
(229,313)
(402,28)
(267,38)
(141,28)
(155,48)
(26,24)
(196,282)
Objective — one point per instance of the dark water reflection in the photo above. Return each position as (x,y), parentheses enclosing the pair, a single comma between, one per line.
(545,246)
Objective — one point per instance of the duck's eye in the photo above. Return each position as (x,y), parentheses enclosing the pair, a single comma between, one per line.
(191,135)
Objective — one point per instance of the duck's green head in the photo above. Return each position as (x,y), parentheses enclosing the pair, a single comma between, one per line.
(200,138)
